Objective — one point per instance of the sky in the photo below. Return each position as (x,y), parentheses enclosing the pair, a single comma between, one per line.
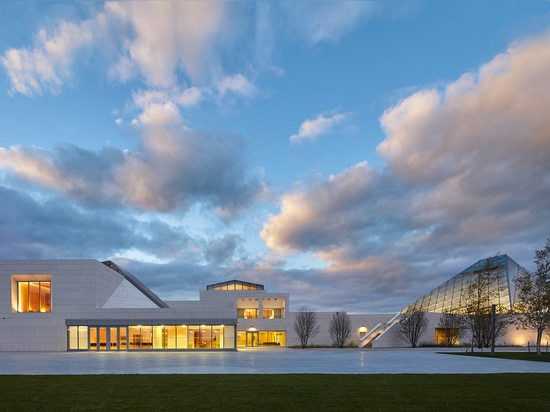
(355,154)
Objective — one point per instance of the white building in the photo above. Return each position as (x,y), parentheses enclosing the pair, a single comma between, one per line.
(59,305)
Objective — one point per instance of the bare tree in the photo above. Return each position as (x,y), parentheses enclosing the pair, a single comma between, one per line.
(477,300)
(305,325)
(413,324)
(339,329)
(532,305)
(453,325)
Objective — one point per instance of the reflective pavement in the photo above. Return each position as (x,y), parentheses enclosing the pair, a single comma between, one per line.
(262,361)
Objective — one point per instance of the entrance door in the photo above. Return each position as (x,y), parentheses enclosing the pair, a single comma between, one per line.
(252,339)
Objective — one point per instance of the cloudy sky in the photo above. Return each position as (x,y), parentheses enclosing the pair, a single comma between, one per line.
(355,154)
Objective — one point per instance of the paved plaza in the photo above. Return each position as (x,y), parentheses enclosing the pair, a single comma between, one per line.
(261,361)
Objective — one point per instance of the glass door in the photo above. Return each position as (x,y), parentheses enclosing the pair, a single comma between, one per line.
(252,339)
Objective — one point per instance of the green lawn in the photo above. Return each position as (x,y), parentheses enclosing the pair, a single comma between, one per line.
(530,356)
(499,392)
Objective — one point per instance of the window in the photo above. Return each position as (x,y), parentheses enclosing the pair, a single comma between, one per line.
(250,313)
(78,337)
(34,296)
(272,314)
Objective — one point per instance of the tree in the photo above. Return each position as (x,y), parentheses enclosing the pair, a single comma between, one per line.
(339,329)
(532,305)
(453,325)
(413,324)
(477,300)
(305,325)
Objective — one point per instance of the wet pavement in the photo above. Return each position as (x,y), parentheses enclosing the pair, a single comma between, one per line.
(261,361)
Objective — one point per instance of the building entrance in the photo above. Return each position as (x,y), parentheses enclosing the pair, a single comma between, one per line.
(252,339)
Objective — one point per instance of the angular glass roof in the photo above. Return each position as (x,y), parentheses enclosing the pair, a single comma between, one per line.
(235,285)
(449,295)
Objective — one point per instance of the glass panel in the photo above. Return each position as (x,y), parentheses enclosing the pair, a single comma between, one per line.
(228,337)
(93,338)
(146,337)
(181,337)
(158,335)
(22,296)
(45,297)
(122,332)
(193,339)
(206,337)
(34,297)
(73,337)
(169,338)
(135,337)
(82,337)
(241,339)
(102,338)
(113,338)
(217,337)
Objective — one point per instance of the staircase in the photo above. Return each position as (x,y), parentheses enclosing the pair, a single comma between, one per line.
(378,330)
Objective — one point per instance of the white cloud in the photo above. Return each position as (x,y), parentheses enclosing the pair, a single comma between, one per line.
(156,40)
(161,107)
(33,164)
(48,64)
(316,219)
(467,174)
(167,37)
(318,21)
(237,84)
(322,124)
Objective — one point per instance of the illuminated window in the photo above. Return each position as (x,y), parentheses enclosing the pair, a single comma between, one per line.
(34,296)
(249,313)
(447,336)
(272,314)
(78,337)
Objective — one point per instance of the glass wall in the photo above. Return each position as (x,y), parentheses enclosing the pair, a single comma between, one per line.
(147,337)
(253,338)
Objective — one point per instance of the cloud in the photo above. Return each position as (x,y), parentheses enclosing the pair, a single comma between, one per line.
(38,226)
(154,40)
(48,64)
(237,84)
(321,125)
(166,37)
(318,22)
(165,44)
(466,175)
(175,169)
(479,146)
(218,251)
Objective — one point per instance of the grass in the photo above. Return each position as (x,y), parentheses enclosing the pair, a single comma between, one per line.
(530,356)
(498,392)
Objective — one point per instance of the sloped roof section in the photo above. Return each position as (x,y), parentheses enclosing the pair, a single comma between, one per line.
(448,296)
(235,285)
(136,283)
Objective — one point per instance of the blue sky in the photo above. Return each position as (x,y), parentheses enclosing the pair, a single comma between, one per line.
(355,154)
